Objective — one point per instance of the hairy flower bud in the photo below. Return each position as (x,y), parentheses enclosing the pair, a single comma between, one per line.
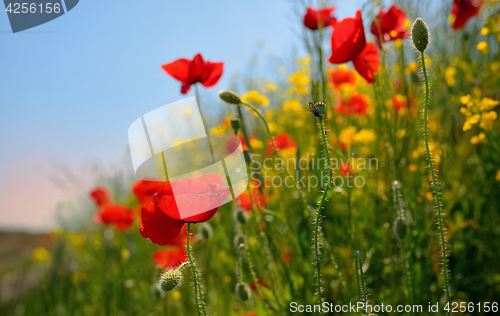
(399,229)
(238,240)
(241,217)
(243,292)
(229,96)
(206,231)
(318,110)
(170,279)
(420,34)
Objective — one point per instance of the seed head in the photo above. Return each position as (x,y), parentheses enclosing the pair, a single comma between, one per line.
(229,96)
(243,292)
(170,279)
(318,110)
(420,34)
(235,125)
(241,217)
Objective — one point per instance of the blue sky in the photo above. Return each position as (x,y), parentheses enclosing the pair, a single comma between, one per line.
(70,88)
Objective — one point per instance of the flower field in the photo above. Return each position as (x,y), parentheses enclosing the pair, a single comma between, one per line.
(373,165)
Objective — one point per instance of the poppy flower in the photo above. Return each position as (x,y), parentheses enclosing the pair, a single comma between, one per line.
(244,202)
(287,255)
(341,76)
(390,25)
(101,196)
(145,190)
(319,18)
(341,145)
(463,10)
(189,72)
(349,44)
(232,144)
(399,102)
(357,104)
(169,258)
(121,216)
(281,141)
(178,202)
(345,169)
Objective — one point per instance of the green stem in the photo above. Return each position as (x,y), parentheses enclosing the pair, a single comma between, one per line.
(320,206)
(198,296)
(437,196)
(204,122)
(301,194)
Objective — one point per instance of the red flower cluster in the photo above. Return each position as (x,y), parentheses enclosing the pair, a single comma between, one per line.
(463,10)
(349,44)
(315,19)
(357,104)
(341,76)
(190,72)
(121,216)
(281,141)
(161,220)
(145,190)
(389,25)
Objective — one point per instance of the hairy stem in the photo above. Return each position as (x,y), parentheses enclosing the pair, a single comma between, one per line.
(198,295)
(437,195)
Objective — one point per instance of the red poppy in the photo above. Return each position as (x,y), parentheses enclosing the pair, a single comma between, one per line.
(261,282)
(463,10)
(281,141)
(357,105)
(341,76)
(388,26)
(190,72)
(349,44)
(319,18)
(169,258)
(399,102)
(345,169)
(244,201)
(177,202)
(339,144)
(122,217)
(287,255)
(145,190)
(101,196)
(232,144)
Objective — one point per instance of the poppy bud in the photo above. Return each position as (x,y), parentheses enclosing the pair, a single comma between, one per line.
(170,279)
(243,292)
(235,125)
(399,229)
(238,240)
(229,96)
(420,34)
(206,231)
(241,217)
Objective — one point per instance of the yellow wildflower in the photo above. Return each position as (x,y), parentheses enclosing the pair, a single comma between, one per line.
(293,106)
(481,138)
(483,47)
(364,136)
(271,86)
(487,119)
(485,31)
(41,254)
(399,42)
(346,136)
(497,177)
(255,98)
(449,75)
(300,82)
(400,133)
(412,168)
(255,143)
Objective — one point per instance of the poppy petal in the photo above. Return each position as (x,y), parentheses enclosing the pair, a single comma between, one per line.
(348,40)
(211,74)
(178,69)
(368,62)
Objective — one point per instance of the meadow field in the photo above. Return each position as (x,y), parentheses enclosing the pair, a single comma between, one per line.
(373,165)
